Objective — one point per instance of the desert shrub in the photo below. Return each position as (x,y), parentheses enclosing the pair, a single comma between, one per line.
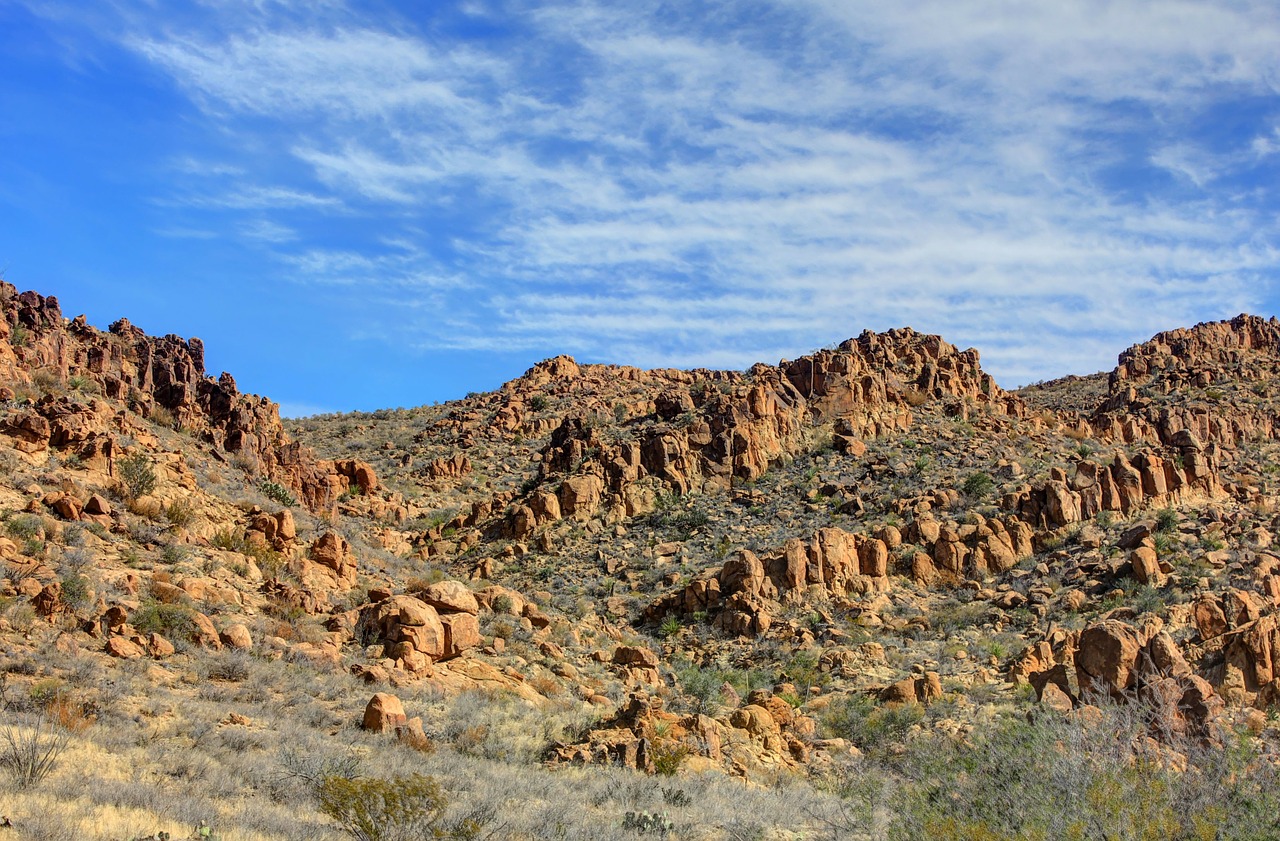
(174,621)
(47,381)
(861,720)
(180,513)
(1050,776)
(702,685)
(76,591)
(680,521)
(162,416)
(83,384)
(229,539)
(231,666)
(667,756)
(977,485)
(30,749)
(270,562)
(137,475)
(25,527)
(1166,520)
(276,492)
(499,726)
(73,535)
(400,809)
(173,554)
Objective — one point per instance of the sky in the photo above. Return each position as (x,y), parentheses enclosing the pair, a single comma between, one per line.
(362,205)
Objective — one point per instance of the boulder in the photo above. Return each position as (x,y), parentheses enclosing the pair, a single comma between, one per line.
(1106,657)
(451,597)
(383,714)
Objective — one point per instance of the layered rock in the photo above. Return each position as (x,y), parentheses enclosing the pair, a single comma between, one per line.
(1114,660)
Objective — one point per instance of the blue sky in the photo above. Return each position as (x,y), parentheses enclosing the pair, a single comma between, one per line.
(374,204)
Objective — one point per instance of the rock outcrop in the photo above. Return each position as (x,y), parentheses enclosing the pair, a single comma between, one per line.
(156,378)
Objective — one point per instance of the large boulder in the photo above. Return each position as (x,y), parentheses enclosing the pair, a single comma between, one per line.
(1106,657)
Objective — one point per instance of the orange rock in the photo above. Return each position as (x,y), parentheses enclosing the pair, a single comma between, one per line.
(237,636)
(383,714)
(1106,656)
(123,648)
(461,632)
(451,596)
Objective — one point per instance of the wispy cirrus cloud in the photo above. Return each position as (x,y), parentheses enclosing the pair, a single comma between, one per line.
(745,181)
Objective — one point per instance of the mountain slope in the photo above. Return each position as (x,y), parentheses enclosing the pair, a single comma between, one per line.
(815,574)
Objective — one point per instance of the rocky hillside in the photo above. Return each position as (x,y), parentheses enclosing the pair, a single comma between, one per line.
(607,602)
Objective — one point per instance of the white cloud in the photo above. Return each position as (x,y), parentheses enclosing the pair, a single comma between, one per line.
(717,188)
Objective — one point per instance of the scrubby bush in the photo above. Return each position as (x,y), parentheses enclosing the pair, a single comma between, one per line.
(174,621)
(276,492)
(137,475)
(180,513)
(1051,776)
(868,724)
(400,809)
(30,749)
(977,485)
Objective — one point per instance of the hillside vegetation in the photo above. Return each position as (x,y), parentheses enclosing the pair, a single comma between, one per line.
(866,593)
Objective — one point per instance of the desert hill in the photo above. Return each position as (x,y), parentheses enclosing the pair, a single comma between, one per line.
(796,601)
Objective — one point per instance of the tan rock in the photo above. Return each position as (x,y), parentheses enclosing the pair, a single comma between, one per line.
(627,655)
(1146,566)
(1106,657)
(123,648)
(237,636)
(206,635)
(159,647)
(461,632)
(451,596)
(383,714)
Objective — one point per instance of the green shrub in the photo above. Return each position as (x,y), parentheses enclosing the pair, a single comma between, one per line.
(667,757)
(400,809)
(83,384)
(137,475)
(180,513)
(276,492)
(228,539)
(977,485)
(1166,520)
(75,591)
(25,527)
(861,720)
(173,621)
